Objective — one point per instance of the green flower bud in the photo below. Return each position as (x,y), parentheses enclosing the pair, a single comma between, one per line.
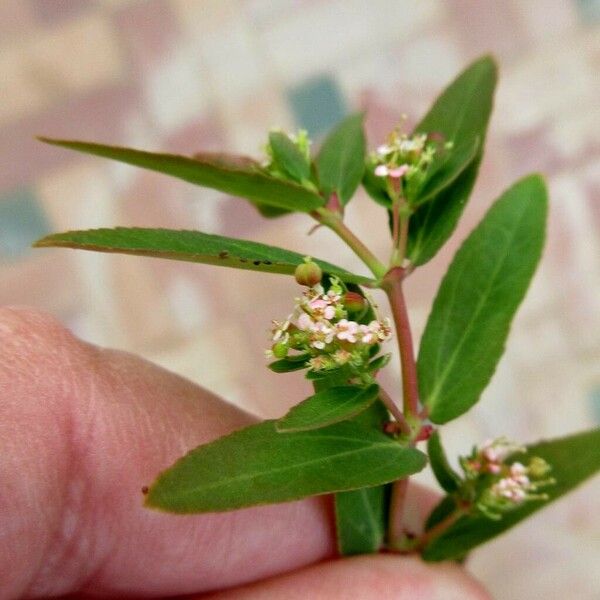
(308,273)
(538,467)
(280,350)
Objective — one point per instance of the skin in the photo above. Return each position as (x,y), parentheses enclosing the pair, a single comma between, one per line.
(82,429)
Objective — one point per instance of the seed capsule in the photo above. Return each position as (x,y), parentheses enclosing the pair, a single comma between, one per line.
(308,273)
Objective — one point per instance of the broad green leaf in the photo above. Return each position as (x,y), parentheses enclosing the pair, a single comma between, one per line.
(574,459)
(288,157)
(479,295)
(461,115)
(447,169)
(259,465)
(445,475)
(361,515)
(192,246)
(213,171)
(341,159)
(329,406)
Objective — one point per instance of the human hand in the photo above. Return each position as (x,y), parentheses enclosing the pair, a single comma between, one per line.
(83,429)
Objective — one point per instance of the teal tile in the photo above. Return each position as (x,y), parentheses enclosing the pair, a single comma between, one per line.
(317,104)
(22,221)
(589,10)
(594,400)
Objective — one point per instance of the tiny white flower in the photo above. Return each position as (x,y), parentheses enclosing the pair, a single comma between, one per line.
(381,171)
(347,330)
(384,149)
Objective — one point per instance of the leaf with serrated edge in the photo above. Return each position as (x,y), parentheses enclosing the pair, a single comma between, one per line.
(444,474)
(466,331)
(329,406)
(192,246)
(259,465)
(573,459)
(341,159)
(220,174)
(461,115)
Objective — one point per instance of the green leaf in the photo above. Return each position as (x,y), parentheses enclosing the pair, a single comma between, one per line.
(259,465)
(361,515)
(379,363)
(192,246)
(292,363)
(445,475)
(214,171)
(461,115)
(445,170)
(341,160)
(573,459)
(376,187)
(329,406)
(479,295)
(288,157)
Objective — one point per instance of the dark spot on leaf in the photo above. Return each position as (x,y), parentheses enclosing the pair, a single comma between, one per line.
(256,262)
(243,260)
(224,254)
(145,490)
(267,262)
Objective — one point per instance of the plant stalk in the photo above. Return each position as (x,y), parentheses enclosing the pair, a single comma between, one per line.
(392,284)
(336,224)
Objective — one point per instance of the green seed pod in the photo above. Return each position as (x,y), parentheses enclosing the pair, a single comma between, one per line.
(354,302)
(308,273)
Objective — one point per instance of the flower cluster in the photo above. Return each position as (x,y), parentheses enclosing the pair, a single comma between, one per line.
(321,328)
(500,485)
(406,159)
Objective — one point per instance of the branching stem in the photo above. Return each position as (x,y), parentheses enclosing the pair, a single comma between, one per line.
(335,223)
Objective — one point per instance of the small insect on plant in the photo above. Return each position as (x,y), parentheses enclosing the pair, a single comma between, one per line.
(351,437)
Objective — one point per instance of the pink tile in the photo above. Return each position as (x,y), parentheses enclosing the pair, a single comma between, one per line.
(100,115)
(49,12)
(148,29)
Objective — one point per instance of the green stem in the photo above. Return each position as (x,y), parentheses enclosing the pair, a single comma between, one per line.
(396,513)
(335,223)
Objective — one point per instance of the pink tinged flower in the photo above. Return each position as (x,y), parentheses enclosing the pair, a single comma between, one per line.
(366,335)
(329,312)
(304,322)
(494,468)
(398,172)
(347,330)
(322,334)
(381,171)
(317,304)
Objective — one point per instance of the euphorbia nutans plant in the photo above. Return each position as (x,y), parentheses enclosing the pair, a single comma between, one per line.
(351,437)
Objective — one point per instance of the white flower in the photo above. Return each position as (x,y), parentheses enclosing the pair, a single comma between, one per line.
(381,171)
(347,330)
(384,149)
(304,322)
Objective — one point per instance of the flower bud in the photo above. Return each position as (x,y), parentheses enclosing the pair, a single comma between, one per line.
(538,467)
(308,273)
(280,350)
(354,302)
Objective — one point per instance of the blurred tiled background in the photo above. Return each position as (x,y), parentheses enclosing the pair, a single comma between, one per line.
(185,75)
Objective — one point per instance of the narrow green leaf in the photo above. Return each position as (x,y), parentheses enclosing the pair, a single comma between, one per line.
(445,475)
(574,459)
(479,295)
(444,171)
(259,465)
(288,157)
(341,160)
(213,171)
(192,246)
(329,406)
(461,115)
(361,515)
(287,365)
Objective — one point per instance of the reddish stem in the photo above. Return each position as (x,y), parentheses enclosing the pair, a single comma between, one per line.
(396,512)
(392,284)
